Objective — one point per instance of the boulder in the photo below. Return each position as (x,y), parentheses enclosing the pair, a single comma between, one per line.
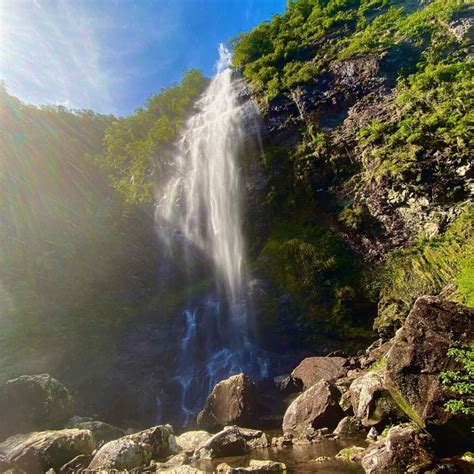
(353,454)
(255,466)
(405,449)
(39,451)
(372,404)
(232,401)
(122,454)
(419,355)
(349,425)
(136,450)
(313,369)
(191,440)
(315,408)
(228,442)
(103,432)
(34,402)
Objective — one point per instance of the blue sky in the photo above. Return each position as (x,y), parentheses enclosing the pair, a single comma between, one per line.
(111,55)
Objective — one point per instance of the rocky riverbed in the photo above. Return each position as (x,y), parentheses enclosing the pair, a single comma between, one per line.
(381,411)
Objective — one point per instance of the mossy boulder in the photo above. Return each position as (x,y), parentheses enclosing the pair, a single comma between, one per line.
(405,449)
(34,402)
(39,451)
(417,358)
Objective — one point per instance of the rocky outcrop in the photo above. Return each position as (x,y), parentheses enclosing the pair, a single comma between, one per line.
(419,355)
(103,432)
(314,369)
(315,408)
(191,440)
(372,404)
(229,442)
(405,449)
(39,451)
(232,401)
(34,402)
(136,450)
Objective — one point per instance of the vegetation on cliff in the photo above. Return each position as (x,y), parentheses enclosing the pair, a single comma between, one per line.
(378,93)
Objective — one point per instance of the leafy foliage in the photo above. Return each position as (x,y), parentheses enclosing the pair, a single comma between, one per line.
(460,383)
(138,148)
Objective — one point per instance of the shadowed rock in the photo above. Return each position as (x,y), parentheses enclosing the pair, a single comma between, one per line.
(419,355)
(232,401)
(315,408)
(34,402)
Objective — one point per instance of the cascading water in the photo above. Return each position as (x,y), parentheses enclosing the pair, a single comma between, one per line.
(201,207)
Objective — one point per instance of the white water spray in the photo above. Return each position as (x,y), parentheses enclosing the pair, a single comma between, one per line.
(202,205)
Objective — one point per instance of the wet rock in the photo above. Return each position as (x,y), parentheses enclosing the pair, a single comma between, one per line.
(405,449)
(284,441)
(250,434)
(372,404)
(314,369)
(419,355)
(228,442)
(191,440)
(349,425)
(39,451)
(354,454)
(315,408)
(322,459)
(259,443)
(103,432)
(255,466)
(33,402)
(136,450)
(232,401)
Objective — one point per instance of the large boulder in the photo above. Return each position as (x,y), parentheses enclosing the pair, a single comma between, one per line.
(313,369)
(191,440)
(39,451)
(349,425)
(228,442)
(372,404)
(419,355)
(405,449)
(315,408)
(103,432)
(33,402)
(232,401)
(136,450)
(122,454)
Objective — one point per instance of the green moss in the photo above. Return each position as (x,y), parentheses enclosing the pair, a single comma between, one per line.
(379,365)
(426,268)
(322,274)
(405,406)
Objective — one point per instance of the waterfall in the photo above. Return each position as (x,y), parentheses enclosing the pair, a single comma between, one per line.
(201,208)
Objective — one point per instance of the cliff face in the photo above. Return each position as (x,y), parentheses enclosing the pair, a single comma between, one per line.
(365,178)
